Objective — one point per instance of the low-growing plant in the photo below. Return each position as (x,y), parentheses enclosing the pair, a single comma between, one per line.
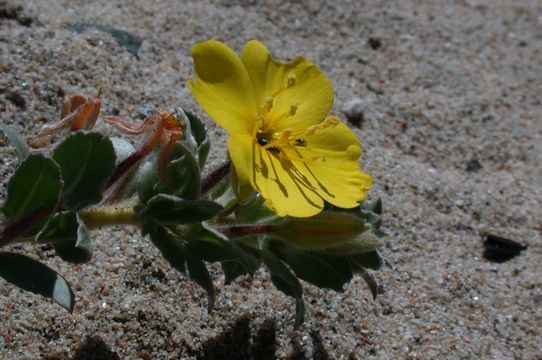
(290,194)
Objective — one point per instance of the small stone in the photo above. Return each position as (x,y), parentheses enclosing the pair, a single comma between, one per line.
(354,109)
(473,165)
(17,99)
(500,249)
(375,43)
(144,354)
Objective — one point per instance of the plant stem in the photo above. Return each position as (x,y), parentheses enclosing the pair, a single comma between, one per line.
(246,229)
(12,232)
(104,216)
(215,176)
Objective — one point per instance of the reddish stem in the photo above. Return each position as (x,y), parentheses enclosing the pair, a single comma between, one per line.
(19,227)
(246,229)
(215,176)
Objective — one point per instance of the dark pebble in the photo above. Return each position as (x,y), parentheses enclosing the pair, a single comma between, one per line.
(500,249)
(375,43)
(14,12)
(17,99)
(473,165)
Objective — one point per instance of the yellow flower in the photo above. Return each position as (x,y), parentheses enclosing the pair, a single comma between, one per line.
(282,143)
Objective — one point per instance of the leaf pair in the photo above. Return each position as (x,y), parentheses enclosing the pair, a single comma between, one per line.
(73,178)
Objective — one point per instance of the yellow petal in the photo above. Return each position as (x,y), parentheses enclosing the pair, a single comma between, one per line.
(273,179)
(240,148)
(222,87)
(331,165)
(297,83)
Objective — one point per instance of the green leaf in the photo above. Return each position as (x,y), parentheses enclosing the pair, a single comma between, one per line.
(174,251)
(371,282)
(370,260)
(223,194)
(208,244)
(35,185)
(320,270)
(373,206)
(255,212)
(197,129)
(31,275)
(86,160)
(69,236)
(148,178)
(170,210)
(16,140)
(232,270)
(123,149)
(213,250)
(184,177)
(286,282)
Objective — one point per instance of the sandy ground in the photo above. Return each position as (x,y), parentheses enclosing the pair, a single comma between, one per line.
(452,132)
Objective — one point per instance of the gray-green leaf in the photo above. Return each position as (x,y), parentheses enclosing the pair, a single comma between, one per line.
(35,185)
(174,251)
(70,237)
(31,275)
(87,160)
(286,282)
(320,270)
(170,210)
(16,140)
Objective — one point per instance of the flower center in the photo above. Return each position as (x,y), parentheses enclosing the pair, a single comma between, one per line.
(265,133)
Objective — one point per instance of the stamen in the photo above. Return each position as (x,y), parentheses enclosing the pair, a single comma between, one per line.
(330,121)
(293,109)
(266,106)
(291,80)
(284,135)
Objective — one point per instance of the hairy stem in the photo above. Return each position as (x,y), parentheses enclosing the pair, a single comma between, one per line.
(104,216)
(246,229)
(215,176)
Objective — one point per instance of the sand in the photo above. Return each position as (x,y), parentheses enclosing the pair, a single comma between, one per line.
(449,93)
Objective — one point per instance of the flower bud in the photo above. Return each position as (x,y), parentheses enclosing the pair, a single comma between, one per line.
(332,232)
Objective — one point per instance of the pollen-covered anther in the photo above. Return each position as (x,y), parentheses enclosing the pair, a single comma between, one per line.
(293,109)
(267,105)
(284,135)
(330,121)
(292,79)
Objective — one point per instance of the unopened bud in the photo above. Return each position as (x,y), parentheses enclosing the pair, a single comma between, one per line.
(331,232)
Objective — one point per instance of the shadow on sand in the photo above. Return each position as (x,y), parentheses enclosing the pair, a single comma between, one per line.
(237,343)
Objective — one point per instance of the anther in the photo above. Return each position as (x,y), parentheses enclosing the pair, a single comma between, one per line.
(293,109)
(291,80)
(267,105)
(329,122)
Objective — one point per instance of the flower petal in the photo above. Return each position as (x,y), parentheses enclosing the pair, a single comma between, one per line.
(331,165)
(222,87)
(309,88)
(274,179)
